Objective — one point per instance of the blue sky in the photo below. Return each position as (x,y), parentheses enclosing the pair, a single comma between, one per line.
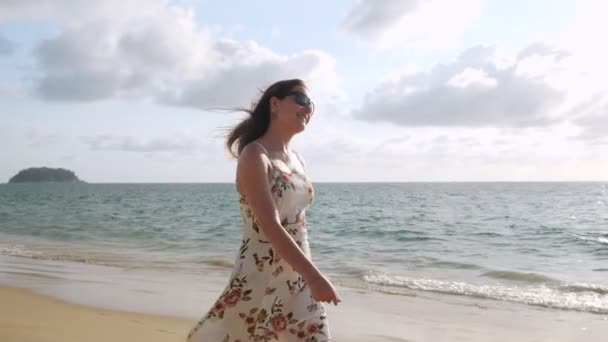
(406,90)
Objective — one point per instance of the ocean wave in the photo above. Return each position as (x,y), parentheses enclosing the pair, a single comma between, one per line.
(594,299)
(527,277)
(580,287)
(487,234)
(129,260)
(222,263)
(58,255)
(18,251)
(602,240)
(417,238)
(454,265)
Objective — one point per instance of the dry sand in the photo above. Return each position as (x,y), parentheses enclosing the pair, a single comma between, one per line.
(363,316)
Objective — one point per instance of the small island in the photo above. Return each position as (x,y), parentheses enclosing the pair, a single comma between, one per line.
(44,174)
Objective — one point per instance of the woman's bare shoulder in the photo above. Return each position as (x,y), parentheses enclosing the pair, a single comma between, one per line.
(252,171)
(252,158)
(252,153)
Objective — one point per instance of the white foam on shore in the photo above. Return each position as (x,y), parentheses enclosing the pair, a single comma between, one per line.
(115,288)
(580,297)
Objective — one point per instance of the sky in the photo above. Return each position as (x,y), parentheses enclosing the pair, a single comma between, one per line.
(124,91)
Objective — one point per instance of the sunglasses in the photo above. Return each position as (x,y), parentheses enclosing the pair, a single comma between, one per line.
(302,99)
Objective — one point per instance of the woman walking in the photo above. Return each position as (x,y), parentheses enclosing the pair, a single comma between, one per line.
(274,292)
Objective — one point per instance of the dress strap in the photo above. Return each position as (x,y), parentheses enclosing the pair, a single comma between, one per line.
(264,148)
(272,166)
(299,159)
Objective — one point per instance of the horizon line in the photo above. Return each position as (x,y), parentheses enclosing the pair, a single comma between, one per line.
(343,182)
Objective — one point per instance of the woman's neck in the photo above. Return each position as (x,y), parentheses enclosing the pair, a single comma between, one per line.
(276,141)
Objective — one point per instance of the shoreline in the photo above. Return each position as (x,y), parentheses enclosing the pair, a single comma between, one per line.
(69,301)
(27,315)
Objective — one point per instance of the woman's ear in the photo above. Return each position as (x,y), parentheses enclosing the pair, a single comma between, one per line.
(274,104)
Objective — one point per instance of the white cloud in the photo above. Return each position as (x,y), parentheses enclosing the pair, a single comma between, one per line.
(592,117)
(472,77)
(246,67)
(38,137)
(478,89)
(422,24)
(139,57)
(160,53)
(176,143)
(453,154)
(73,12)
(371,19)
(9,90)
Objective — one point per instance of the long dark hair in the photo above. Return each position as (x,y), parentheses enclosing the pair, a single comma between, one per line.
(258,121)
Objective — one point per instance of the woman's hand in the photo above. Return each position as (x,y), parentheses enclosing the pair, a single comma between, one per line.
(322,290)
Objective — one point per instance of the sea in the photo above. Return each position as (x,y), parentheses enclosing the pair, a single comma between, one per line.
(538,244)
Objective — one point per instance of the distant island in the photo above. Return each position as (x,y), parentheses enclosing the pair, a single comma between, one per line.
(44,174)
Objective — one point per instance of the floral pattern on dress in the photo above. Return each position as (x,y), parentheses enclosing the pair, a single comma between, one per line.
(265,299)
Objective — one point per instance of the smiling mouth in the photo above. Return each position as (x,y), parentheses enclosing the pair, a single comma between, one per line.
(304,116)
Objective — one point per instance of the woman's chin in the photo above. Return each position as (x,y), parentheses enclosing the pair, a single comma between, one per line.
(299,127)
(302,128)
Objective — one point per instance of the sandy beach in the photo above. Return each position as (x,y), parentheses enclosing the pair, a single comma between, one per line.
(26,316)
(29,317)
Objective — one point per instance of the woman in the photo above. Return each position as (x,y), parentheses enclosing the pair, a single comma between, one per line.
(275,291)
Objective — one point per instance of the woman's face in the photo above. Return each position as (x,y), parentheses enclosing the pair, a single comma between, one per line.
(295,110)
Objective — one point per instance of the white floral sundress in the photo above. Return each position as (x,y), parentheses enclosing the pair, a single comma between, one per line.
(265,298)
